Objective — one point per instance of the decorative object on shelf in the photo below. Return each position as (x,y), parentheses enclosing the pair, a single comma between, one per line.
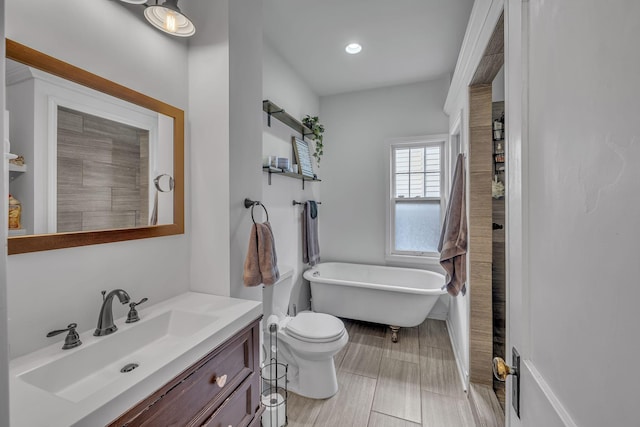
(15,213)
(303,156)
(283,163)
(498,128)
(497,188)
(317,129)
(498,151)
(18,161)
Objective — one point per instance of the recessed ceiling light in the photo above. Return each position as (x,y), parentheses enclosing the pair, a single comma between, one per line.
(353,48)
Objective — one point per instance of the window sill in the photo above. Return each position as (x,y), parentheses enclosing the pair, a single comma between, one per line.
(413,259)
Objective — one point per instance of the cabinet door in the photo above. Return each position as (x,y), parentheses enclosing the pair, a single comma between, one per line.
(238,410)
(202,388)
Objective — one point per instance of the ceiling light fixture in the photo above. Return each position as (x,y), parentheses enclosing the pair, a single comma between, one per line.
(167,17)
(353,48)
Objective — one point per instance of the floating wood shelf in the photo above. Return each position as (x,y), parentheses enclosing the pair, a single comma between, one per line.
(276,171)
(277,112)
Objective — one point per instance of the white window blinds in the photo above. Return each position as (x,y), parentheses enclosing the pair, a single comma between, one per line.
(417,172)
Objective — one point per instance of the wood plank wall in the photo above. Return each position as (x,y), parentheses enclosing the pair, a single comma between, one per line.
(480,239)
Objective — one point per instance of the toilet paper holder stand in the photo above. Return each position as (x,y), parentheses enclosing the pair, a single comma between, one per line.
(274,384)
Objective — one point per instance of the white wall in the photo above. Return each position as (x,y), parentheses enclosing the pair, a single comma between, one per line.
(47,290)
(282,85)
(583,206)
(208,128)
(358,125)
(4,339)
(484,15)
(497,87)
(458,316)
(572,148)
(225,101)
(353,168)
(245,139)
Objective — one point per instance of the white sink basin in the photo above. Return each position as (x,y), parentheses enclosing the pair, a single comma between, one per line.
(89,368)
(84,386)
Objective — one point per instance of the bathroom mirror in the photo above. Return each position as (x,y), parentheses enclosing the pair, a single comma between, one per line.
(102,163)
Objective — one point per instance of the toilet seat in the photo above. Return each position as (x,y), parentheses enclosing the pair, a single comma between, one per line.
(315,327)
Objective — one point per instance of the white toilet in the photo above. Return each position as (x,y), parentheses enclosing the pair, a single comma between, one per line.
(306,342)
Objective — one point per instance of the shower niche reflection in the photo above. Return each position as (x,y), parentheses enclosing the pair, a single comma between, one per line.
(100,163)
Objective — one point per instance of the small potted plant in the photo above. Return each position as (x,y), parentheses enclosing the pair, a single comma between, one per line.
(317,129)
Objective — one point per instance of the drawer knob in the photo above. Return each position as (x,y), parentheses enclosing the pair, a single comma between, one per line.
(221,381)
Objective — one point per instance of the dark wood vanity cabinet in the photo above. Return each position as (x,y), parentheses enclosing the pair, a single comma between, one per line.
(220,390)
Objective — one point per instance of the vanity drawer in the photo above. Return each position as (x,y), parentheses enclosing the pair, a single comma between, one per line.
(239,409)
(199,390)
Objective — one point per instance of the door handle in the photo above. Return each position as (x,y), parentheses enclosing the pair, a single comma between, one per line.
(501,370)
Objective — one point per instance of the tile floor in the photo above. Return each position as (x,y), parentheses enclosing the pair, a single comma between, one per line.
(411,383)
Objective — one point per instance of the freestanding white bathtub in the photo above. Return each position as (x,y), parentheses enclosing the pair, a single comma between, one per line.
(398,297)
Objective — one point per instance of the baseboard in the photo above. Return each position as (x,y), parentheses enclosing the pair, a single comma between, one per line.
(437,316)
(456,354)
(548,394)
(440,310)
(485,407)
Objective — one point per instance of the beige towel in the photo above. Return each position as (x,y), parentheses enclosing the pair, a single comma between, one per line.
(453,238)
(252,276)
(267,255)
(261,263)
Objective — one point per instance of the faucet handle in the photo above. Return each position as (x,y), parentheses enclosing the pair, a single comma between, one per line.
(133,304)
(133,313)
(103,294)
(71,340)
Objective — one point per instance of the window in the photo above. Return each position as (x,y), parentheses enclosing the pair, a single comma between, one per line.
(415,197)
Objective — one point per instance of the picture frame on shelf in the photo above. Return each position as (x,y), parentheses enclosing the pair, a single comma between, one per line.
(302,154)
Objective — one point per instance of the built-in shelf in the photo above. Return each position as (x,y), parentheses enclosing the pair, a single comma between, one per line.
(17,232)
(17,168)
(278,112)
(277,171)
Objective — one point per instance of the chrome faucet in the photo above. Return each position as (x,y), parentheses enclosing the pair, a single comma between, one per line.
(105,320)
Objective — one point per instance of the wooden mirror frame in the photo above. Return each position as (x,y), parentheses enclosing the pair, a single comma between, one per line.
(44,242)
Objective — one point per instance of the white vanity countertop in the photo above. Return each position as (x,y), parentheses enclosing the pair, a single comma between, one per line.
(34,406)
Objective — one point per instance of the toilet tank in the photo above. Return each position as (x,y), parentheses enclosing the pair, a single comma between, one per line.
(276,297)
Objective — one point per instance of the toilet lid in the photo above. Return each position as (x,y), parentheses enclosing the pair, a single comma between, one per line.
(315,327)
